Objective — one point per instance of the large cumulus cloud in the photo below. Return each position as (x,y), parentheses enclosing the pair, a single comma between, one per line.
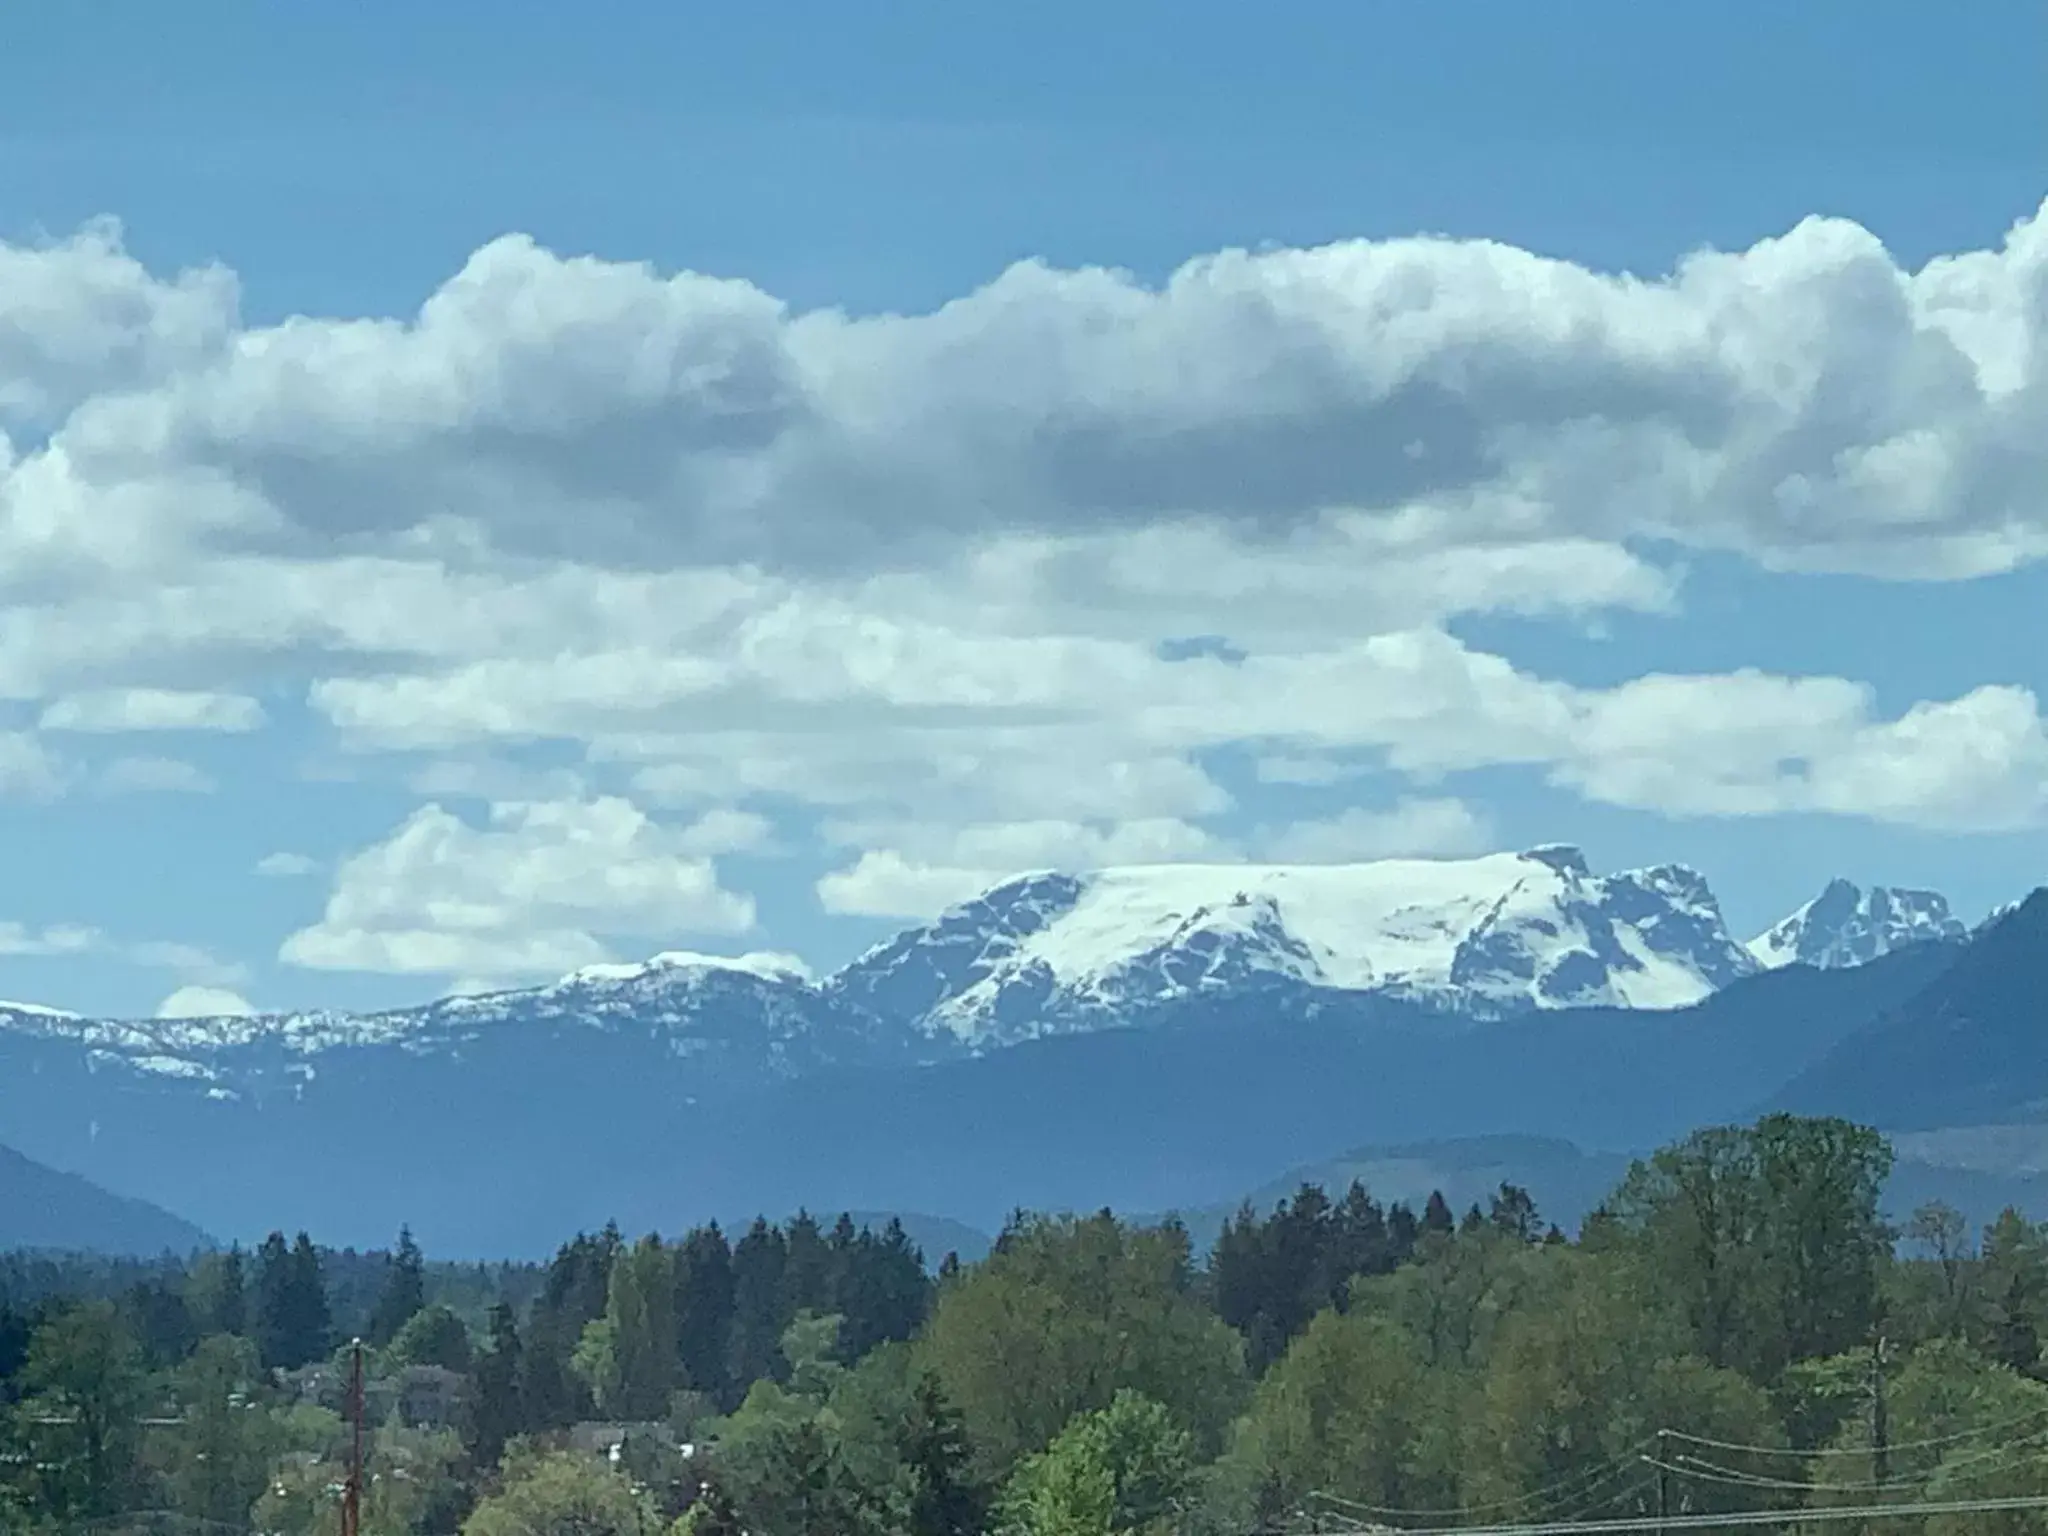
(907,582)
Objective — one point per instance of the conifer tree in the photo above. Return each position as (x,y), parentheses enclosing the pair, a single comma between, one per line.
(293,1326)
(704,1312)
(405,1291)
(758,1262)
(496,1413)
(946,1498)
(1436,1215)
(640,1309)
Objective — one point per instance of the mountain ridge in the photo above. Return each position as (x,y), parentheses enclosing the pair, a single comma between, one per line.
(1465,940)
(45,1209)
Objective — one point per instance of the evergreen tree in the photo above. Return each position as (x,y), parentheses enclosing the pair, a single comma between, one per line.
(641,1314)
(293,1325)
(2015,1281)
(946,1497)
(1436,1215)
(216,1293)
(573,1295)
(704,1313)
(496,1414)
(1403,1234)
(223,1444)
(808,1267)
(405,1291)
(759,1259)
(1513,1210)
(16,1329)
(161,1321)
(84,1382)
(1360,1241)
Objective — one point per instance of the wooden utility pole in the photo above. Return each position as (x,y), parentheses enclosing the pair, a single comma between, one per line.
(352,1489)
(1880,1420)
(1663,1477)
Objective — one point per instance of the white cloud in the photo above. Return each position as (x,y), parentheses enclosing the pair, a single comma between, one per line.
(1752,744)
(198,965)
(921,869)
(1411,829)
(535,891)
(197,1002)
(154,775)
(27,768)
(1807,400)
(61,939)
(152,709)
(286,866)
(912,574)
(913,872)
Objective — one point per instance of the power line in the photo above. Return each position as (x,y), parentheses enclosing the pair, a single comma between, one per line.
(1575,1486)
(1629,1526)
(1895,1447)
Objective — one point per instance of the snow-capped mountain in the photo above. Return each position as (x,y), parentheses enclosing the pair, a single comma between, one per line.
(754,1018)
(1847,925)
(1049,954)
(1478,938)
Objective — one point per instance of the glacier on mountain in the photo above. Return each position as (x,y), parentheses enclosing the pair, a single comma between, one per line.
(1476,938)
(1453,940)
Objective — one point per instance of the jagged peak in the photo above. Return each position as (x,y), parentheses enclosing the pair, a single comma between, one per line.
(1565,858)
(1848,924)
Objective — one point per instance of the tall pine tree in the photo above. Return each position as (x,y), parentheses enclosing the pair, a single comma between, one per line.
(496,1413)
(704,1311)
(946,1498)
(293,1325)
(405,1291)
(759,1260)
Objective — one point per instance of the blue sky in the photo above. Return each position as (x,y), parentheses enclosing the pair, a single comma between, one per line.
(773,630)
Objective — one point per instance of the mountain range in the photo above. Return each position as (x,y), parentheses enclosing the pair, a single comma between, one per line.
(45,1210)
(1161,1037)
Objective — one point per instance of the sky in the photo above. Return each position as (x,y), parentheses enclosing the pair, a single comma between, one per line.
(489,489)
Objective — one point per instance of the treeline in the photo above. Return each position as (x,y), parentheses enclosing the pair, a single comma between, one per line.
(1736,1328)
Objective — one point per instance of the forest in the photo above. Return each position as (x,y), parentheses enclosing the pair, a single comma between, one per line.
(1737,1329)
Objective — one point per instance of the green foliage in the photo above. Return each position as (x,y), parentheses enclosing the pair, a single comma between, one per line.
(405,1291)
(1347,1411)
(216,1293)
(783,1461)
(1127,1468)
(432,1336)
(810,1346)
(704,1312)
(1066,1313)
(496,1410)
(1769,1235)
(82,1396)
(563,1494)
(1455,1296)
(217,1461)
(1269,1277)
(1086,1377)
(293,1324)
(1577,1386)
(640,1309)
(2014,1281)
